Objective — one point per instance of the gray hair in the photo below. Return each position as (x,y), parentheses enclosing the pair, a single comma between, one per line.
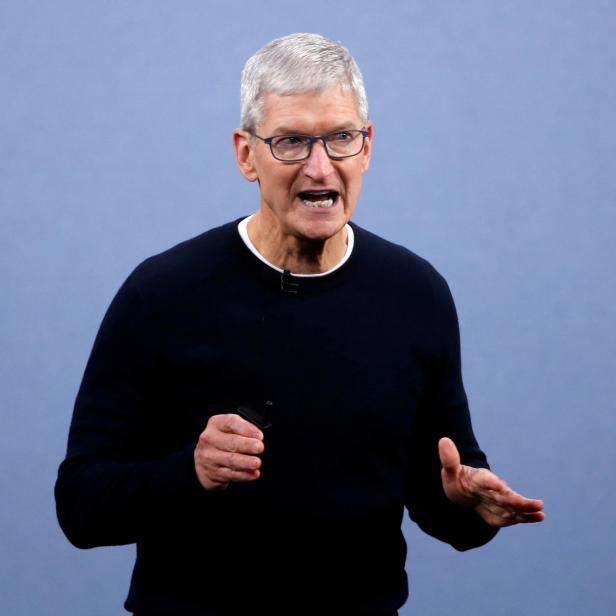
(298,63)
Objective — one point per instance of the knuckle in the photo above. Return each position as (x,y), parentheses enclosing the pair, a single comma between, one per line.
(211,463)
(231,420)
(223,422)
(203,437)
(214,422)
(220,474)
(234,444)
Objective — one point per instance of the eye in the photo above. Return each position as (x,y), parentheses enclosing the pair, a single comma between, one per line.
(340,136)
(286,141)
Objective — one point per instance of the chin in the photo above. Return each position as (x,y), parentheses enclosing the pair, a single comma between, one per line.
(320,225)
(320,231)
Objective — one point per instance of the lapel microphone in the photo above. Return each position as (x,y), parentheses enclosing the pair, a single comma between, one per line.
(287,284)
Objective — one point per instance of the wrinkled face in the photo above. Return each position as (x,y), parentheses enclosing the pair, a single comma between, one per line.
(311,199)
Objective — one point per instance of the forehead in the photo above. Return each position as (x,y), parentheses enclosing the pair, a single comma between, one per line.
(312,112)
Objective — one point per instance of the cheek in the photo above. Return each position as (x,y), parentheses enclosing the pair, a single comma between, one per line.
(267,178)
(277,184)
(353,184)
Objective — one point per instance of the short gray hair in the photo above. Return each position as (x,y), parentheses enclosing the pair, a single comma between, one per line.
(298,63)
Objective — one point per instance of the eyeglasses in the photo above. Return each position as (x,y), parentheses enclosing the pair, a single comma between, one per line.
(294,148)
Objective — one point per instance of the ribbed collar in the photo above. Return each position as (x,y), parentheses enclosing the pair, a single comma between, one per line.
(273,278)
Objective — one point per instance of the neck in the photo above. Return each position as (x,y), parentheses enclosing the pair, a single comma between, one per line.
(297,255)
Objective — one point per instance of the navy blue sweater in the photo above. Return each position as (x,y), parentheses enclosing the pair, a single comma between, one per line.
(363,368)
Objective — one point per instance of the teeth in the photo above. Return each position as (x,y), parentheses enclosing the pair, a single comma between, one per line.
(324,203)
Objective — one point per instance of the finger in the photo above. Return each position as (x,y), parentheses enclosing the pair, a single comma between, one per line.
(495,508)
(526,505)
(233,461)
(503,517)
(221,468)
(224,474)
(489,486)
(235,475)
(449,456)
(528,518)
(531,518)
(495,517)
(234,443)
(482,480)
(232,423)
(511,508)
(511,500)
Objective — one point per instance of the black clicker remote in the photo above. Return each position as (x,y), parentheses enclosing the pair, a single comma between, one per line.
(259,419)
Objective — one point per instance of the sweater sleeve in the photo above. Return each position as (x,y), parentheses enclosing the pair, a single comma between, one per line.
(444,412)
(112,488)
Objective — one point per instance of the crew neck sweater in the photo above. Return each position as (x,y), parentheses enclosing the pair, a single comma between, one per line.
(363,369)
(242,227)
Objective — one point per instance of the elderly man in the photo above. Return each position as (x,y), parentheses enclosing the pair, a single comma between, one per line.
(262,401)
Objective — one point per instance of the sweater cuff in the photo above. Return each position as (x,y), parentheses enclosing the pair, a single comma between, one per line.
(178,477)
(466,528)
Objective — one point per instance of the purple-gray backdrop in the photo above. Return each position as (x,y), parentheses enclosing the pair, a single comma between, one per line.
(495,158)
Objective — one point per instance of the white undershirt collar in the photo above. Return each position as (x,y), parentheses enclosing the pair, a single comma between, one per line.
(242,227)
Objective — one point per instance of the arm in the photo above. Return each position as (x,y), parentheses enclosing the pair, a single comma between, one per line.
(132,464)
(427,502)
(114,485)
(101,501)
(443,411)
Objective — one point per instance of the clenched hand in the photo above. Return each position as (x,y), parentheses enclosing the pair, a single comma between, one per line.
(227,451)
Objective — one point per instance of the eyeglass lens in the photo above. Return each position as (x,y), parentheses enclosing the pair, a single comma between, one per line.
(297,147)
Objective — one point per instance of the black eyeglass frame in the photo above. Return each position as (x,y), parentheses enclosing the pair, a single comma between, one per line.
(312,139)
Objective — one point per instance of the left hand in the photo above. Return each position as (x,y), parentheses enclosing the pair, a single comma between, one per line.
(482,490)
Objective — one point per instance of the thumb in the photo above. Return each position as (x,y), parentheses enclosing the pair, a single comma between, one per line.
(450,458)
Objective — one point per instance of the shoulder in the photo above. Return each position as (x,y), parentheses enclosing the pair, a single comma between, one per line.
(175,285)
(190,262)
(409,286)
(396,265)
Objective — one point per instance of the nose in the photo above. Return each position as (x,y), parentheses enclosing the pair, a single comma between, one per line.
(318,165)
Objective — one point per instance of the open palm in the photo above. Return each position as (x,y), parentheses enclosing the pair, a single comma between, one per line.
(482,490)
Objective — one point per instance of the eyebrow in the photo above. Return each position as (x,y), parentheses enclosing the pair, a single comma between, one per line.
(284,130)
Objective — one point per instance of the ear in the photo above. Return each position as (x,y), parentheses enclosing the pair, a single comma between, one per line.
(244,155)
(367,147)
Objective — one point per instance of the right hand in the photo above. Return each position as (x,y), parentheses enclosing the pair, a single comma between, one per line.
(227,451)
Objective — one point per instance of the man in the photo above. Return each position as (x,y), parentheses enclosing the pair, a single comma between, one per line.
(263,401)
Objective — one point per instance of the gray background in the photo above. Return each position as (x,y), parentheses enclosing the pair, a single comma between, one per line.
(494,157)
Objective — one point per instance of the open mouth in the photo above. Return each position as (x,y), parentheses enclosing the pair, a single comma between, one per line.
(318,198)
